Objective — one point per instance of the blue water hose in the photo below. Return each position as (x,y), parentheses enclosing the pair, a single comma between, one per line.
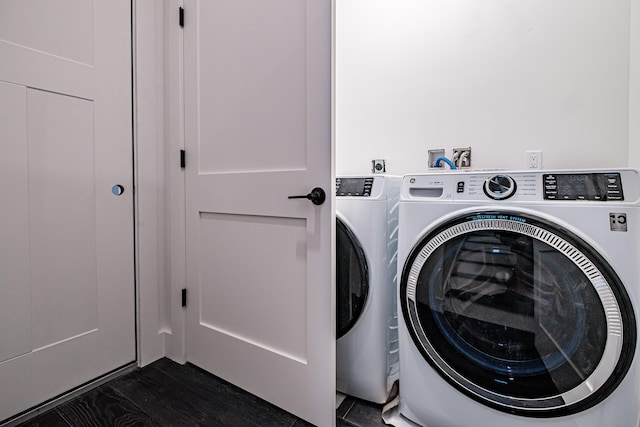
(436,164)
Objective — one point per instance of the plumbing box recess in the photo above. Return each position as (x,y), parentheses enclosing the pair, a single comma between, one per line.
(378,166)
(433,155)
(461,157)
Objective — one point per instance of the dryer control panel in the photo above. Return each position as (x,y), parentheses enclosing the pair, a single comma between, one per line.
(355,187)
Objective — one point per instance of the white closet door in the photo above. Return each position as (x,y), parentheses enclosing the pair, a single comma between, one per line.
(261,310)
(66,241)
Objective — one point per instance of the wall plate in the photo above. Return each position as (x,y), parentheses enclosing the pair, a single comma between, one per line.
(378,166)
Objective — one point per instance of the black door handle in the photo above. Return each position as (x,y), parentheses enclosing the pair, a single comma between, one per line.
(317,196)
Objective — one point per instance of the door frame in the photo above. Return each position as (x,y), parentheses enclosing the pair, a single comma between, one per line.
(159,181)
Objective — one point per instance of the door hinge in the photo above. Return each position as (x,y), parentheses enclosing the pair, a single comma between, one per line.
(183,159)
(184,297)
(181,17)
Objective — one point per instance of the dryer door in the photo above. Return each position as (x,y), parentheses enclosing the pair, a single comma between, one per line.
(518,314)
(352,279)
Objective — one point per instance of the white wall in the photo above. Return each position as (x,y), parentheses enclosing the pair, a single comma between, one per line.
(501,77)
(634,89)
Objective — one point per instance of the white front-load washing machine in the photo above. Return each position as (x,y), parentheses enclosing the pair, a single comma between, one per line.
(366,320)
(518,298)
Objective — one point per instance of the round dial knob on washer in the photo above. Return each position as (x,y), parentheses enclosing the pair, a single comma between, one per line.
(500,187)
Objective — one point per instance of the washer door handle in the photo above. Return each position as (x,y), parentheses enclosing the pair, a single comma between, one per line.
(317,196)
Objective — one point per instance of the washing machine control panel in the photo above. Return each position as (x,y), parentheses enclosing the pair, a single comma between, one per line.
(583,186)
(354,187)
(525,186)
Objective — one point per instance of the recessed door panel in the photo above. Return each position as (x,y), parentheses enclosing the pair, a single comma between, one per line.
(62,217)
(241,282)
(15,291)
(256,98)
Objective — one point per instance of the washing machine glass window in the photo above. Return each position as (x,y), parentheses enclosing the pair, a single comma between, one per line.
(518,314)
(352,279)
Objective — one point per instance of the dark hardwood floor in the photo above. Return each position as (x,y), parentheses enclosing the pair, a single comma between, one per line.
(165,393)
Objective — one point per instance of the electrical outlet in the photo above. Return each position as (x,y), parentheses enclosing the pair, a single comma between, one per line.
(461,157)
(534,159)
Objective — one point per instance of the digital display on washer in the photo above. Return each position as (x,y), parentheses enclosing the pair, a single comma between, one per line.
(354,187)
(585,186)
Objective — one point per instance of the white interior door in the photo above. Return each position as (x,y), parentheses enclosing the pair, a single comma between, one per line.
(66,242)
(259,265)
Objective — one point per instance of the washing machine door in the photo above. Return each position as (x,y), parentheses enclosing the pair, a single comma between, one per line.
(518,314)
(352,279)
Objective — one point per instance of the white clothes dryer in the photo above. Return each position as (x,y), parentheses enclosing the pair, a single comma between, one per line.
(518,298)
(366,287)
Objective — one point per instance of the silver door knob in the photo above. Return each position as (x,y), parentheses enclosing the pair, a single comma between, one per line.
(117,190)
